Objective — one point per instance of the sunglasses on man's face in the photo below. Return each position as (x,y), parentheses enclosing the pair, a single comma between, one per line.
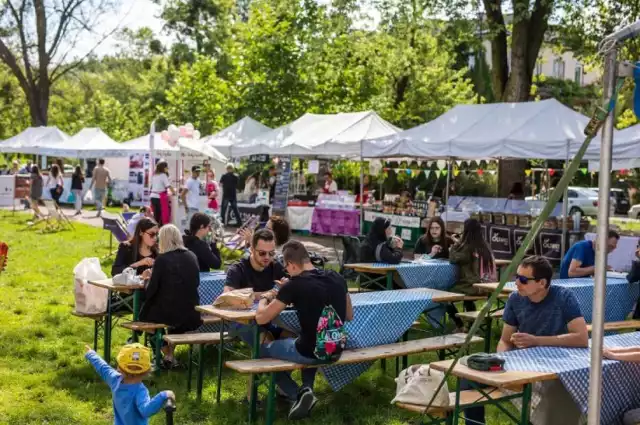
(265,253)
(524,279)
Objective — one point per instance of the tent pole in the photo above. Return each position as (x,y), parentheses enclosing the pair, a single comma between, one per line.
(361,189)
(152,161)
(565,206)
(446,196)
(600,275)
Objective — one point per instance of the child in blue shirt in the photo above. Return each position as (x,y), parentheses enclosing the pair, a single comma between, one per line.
(131,402)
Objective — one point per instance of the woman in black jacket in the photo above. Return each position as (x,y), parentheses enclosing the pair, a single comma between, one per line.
(380,246)
(435,242)
(208,255)
(140,251)
(172,291)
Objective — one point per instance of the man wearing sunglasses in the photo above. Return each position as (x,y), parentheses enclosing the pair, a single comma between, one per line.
(580,260)
(540,314)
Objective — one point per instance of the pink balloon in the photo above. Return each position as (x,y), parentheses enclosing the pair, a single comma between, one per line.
(165,135)
(183,131)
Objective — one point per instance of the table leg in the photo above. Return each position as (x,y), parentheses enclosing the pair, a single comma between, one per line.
(389,281)
(405,359)
(220,362)
(526,404)
(487,335)
(271,399)
(456,406)
(200,371)
(255,353)
(190,368)
(107,330)
(136,312)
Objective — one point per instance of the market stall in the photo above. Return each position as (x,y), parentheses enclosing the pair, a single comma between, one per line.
(237,133)
(336,215)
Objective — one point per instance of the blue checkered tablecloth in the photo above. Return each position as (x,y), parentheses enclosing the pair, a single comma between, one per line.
(434,274)
(621,380)
(620,296)
(211,286)
(378,318)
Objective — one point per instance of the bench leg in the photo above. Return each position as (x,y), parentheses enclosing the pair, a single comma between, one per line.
(96,329)
(487,334)
(220,363)
(107,330)
(526,401)
(405,359)
(157,348)
(189,368)
(255,354)
(389,281)
(383,365)
(456,406)
(200,372)
(271,400)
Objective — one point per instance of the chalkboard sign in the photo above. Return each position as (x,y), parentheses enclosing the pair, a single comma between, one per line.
(518,239)
(500,239)
(550,245)
(282,186)
(263,157)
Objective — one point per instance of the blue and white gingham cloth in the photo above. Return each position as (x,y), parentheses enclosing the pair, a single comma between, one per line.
(620,380)
(620,296)
(434,274)
(378,318)
(211,286)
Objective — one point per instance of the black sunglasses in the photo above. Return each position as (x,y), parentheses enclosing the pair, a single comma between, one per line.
(524,279)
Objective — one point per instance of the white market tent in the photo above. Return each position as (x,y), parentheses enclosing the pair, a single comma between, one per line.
(625,152)
(237,133)
(32,139)
(544,129)
(335,135)
(87,143)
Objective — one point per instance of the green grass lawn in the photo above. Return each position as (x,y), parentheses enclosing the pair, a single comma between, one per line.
(44,378)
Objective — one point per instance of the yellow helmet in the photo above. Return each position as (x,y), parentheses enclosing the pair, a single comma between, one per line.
(134,359)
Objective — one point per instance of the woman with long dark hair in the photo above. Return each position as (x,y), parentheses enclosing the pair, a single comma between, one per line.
(140,251)
(55,184)
(160,187)
(435,242)
(381,246)
(207,254)
(77,179)
(475,263)
(36,187)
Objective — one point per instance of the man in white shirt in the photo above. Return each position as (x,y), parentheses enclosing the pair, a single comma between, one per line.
(191,193)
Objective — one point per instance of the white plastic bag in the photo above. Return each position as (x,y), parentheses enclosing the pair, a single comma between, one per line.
(90,299)
(418,383)
(127,277)
(88,196)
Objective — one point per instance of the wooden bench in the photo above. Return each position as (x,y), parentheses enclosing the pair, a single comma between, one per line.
(357,355)
(358,290)
(467,397)
(471,316)
(622,325)
(157,331)
(201,340)
(98,322)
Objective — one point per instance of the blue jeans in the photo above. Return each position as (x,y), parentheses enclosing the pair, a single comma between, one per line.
(285,349)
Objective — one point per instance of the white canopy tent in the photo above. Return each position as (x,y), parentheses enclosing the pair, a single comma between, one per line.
(31,140)
(87,143)
(545,129)
(625,152)
(237,133)
(336,135)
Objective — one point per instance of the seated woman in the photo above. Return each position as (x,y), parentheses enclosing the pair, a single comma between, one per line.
(380,246)
(140,251)
(475,263)
(207,254)
(435,243)
(172,291)
(280,228)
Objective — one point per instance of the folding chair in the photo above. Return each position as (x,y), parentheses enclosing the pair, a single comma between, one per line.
(126,216)
(117,229)
(56,213)
(40,217)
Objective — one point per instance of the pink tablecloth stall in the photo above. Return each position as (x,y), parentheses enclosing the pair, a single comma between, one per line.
(335,222)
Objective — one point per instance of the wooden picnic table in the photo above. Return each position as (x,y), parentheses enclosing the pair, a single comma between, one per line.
(492,286)
(521,382)
(369,268)
(130,299)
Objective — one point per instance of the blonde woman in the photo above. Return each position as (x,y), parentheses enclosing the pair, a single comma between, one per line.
(172,291)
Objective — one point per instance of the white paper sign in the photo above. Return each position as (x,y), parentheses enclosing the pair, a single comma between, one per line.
(314,166)
(396,220)
(393,230)
(406,234)
(7,187)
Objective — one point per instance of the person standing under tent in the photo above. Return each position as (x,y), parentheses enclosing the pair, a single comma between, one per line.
(77,179)
(160,187)
(273,178)
(212,191)
(55,184)
(229,184)
(330,185)
(37,182)
(99,183)
(191,193)
(15,168)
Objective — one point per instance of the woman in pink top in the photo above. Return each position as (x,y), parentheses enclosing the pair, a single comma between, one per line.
(212,190)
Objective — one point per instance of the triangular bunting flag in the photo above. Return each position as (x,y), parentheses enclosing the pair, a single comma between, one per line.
(459,163)
(444,172)
(427,173)
(456,172)
(480,171)
(584,170)
(527,173)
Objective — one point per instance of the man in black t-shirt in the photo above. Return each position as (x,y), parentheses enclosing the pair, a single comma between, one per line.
(229,183)
(309,291)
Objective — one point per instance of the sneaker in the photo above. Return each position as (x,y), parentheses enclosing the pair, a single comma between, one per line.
(302,408)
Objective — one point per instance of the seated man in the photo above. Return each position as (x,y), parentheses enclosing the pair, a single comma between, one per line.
(259,272)
(144,212)
(580,260)
(310,291)
(540,314)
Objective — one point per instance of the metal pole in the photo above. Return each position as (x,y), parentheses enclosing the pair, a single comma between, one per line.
(565,206)
(152,162)
(361,189)
(604,184)
(446,196)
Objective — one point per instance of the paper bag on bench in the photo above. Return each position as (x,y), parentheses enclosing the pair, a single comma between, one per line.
(239,299)
(90,299)
(418,383)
